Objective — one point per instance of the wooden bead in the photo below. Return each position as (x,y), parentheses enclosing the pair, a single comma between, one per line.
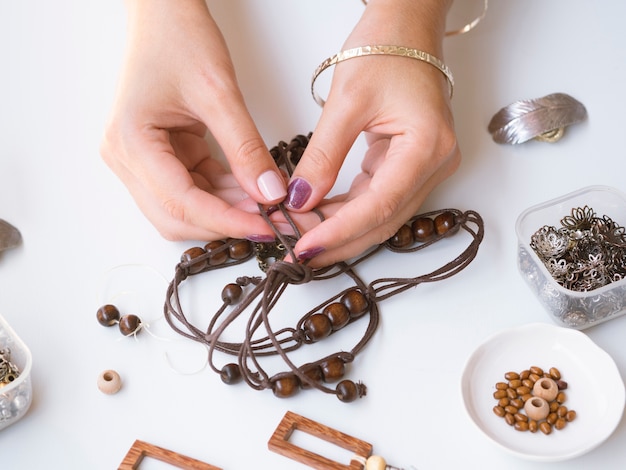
(444,222)
(333,369)
(231,293)
(286,386)
(217,257)
(314,372)
(375,462)
(338,314)
(545,388)
(537,408)
(240,249)
(355,302)
(230,374)
(191,254)
(109,382)
(402,238)
(347,391)
(129,324)
(317,327)
(423,229)
(108,315)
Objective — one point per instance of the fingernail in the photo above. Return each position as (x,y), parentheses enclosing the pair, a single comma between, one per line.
(310,253)
(271,209)
(298,193)
(261,238)
(271,185)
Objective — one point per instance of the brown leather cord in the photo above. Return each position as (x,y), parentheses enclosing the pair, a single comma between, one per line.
(263,293)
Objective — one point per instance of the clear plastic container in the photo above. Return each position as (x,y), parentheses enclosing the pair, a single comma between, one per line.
(571,308)
(16,396)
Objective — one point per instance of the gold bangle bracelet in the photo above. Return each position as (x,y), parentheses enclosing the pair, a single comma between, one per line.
(381,50)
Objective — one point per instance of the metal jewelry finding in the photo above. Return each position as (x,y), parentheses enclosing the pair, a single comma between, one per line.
(8,371)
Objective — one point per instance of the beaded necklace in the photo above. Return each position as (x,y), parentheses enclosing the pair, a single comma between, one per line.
(262,293)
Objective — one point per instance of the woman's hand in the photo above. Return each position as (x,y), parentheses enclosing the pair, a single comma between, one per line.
(177,81)
(403,105)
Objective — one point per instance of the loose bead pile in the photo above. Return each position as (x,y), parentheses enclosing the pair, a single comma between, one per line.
(585,253)
(533,400)
(346,307)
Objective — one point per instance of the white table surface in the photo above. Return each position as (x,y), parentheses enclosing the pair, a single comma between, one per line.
(81,230)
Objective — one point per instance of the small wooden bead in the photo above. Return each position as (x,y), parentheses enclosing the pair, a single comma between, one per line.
(545,388)
(444,223)
(231,293)
(230,374)
(129,324)
(241,249)
(333,369)
(375,462)
(286,386)
(109,382)
(338,314)
(191,254)
(314,372)
(402,238)
(108,315)
(317,327)
(537,408)
(219,257)
(423,229)
(355,302)
(347,391)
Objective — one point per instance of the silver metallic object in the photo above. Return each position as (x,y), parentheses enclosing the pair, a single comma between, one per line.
(543,119)
(10,237)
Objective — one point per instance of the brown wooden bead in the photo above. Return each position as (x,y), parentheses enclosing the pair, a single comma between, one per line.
(523,375)
(216,257)
(515,383)
(230,374)
(509,418)
(240,249)
(521,426)
(355,302)
(444,223)
(498,394)
(517,402)
(520,417)
(338,314)
(402,238)
(511,393)
(561,397)
(502,386)
(231,293)
(533,426)
(192,253)
(511,409)
(555,373)
(560,423)
(536,370)
(499,411)
(108,315)
(314,372)
(552,417)
(317,327)
(129,324)
(545,427)
(504,402)
(561,384)
(511,376)
(561,411)
(423,229)
(347,391)
(285,386)
(570,416)
(333,369)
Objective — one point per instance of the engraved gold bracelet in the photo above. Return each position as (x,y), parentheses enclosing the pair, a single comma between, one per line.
(381,50)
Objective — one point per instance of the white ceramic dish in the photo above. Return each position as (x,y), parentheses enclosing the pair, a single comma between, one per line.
(595,389)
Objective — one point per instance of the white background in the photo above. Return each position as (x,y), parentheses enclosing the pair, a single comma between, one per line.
(81,229)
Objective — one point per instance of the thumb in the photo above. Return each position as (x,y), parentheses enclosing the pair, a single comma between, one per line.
(322,159)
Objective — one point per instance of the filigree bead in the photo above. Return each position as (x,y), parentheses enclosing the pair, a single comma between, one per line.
(108,315)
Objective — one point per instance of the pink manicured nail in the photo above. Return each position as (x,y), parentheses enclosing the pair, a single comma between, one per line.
(310,253)
(298,193)
(271,185)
